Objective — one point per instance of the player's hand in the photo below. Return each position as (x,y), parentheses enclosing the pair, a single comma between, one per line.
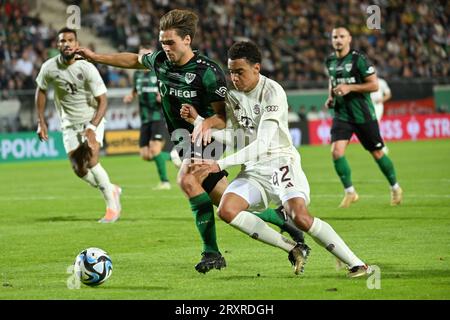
(329,103)
(85,53)
(90,138)
(188,113)
(42,131)
(203,166)
(341,90)
(128,98)
(202,133)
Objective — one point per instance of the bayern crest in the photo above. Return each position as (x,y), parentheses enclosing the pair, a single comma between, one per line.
(189,77)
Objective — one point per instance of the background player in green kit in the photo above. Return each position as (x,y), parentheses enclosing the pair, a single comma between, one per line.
(187,77)
(151,141)
(352,79)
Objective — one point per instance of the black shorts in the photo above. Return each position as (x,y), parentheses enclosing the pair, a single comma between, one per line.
(153,130)
(212,151)
(368,133)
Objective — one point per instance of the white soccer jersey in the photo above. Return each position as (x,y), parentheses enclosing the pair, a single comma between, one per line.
(267,101)
(377,96)
(75,89)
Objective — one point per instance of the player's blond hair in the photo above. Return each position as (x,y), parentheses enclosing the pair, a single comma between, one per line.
(184,22)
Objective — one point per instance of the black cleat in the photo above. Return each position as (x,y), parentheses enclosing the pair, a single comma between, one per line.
(210,260)
(298,257)
(289,226)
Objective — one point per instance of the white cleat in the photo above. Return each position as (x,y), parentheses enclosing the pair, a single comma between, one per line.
(359,271)
(349,198)
(164,185)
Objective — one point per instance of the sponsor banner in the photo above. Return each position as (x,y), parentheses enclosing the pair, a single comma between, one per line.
(122,141)
(393,128)
(26,146)
(406,107)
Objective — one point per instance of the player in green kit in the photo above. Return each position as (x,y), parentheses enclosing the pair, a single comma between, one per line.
(352,79)
(187,77)
(151,141)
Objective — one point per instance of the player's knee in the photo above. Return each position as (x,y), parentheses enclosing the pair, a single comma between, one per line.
(337,153)
(187,182)
(301,217)
(226,213)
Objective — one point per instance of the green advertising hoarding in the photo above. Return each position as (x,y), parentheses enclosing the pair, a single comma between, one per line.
(25,146)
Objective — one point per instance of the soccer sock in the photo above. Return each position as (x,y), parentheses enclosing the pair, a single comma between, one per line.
(104,184)
(324,235)
(259,230)
(343,171)
(160,161)
(203,211)
(270,215)
(387,167)
(89,178)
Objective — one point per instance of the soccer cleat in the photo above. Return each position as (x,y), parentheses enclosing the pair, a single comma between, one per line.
(210,260)
(348,199)
(163,185)
(396,196)
(110,216)
(289,226)
(298,257)
(359,271)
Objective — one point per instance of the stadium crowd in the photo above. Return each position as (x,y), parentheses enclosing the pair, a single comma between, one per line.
(412,42)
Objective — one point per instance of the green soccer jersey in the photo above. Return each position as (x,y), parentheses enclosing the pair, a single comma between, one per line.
(199,82)
(146,86)
(352,69)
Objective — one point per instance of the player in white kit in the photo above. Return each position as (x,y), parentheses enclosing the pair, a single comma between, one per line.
(379,97)
(80,100)
(270,164)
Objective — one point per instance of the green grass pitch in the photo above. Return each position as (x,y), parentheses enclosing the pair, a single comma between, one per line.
(47,216)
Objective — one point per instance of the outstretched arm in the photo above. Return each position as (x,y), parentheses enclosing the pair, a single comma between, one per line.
(40,99)
(122,59)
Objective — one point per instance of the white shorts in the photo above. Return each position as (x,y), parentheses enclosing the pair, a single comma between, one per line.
(379,108)
(73,135)
(267,183)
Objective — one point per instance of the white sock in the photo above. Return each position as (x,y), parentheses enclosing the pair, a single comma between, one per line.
(89,178)
(324,234)
(104,185)
(256,228)
(350,189)
(395,186)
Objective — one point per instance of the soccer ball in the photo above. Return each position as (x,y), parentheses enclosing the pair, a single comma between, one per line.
(93,266)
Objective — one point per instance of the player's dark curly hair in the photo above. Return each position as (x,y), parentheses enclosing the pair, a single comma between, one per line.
(245,50)
(67,30)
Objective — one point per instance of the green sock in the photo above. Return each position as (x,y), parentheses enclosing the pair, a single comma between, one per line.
(269,215)
(344,172)
(161,166)
(203,211)
(165,155)
(387,167)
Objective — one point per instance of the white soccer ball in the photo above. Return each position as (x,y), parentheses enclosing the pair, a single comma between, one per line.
(93,266)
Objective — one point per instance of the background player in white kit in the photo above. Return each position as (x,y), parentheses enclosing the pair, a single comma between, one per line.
(271,168)
(80,99)
(379,97)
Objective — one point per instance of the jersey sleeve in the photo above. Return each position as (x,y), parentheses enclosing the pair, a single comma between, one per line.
(365,66)
(276,105)
(148,60)
(95,81)
(42,79)
(215,84)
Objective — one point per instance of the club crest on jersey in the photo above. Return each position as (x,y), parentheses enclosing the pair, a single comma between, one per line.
(348,67)
(189,77)
(256,109)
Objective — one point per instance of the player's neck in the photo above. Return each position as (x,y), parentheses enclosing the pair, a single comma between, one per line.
(68,61)
(255,84)
(185,59)
(343,53)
